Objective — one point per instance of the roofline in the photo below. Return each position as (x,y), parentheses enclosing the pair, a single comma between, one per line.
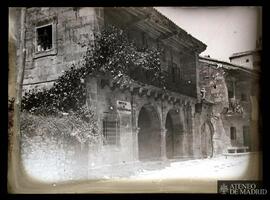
(230,65)
(195,40)
(239,54)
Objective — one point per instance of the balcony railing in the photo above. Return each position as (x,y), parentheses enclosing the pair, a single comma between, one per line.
(180,86)
(237,108)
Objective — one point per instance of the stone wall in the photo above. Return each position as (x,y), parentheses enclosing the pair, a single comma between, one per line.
(212,79)
(213,82)
(49,154)
(47,159)
(103,100)
(73,29)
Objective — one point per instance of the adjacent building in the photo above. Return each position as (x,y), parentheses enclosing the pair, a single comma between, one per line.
(248,59)
(234,92)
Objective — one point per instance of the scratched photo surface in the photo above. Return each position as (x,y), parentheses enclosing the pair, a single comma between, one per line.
(133,99)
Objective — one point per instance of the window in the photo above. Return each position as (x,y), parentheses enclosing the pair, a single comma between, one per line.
(147,75)
(158,44)
(247,60)
(230,93)
(111,129)
(230,89)
(233,133)
(243,97)
(99,12)
(144,40)
(179,70)
(164,52)
(175,72)
(44,38)
(178,75)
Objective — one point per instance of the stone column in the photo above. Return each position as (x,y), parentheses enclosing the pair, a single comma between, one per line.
(190,130)
(163,143)
(135,132)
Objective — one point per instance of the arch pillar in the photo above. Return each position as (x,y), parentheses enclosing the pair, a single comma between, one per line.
(163,132)
(135,132)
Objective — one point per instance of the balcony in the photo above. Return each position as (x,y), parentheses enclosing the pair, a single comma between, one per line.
(171,83)
(237,108)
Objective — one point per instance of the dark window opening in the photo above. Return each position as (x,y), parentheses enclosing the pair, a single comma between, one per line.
(129,36)
(158,44)
(147,75)
(44,38)
(233,133)
(243,97)
(99,12)
(178,73)
(111,129)
(174,73)
(230,93)
(164,52)
(144,41)
(247,60)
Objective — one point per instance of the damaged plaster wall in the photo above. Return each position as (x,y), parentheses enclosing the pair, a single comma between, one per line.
(212,80)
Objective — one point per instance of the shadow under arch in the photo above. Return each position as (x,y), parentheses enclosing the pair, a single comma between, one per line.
(174,134)
(207,145)
(149,138)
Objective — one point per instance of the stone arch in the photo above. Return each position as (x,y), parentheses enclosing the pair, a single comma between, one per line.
(149,137)
(207,145)
(142,102)
(174,134)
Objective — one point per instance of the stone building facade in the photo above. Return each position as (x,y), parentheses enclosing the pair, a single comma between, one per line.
(234,90)
(139,122)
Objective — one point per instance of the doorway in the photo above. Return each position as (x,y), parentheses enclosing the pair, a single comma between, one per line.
(149,139)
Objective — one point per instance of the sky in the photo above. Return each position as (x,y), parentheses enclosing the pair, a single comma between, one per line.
(225,30)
